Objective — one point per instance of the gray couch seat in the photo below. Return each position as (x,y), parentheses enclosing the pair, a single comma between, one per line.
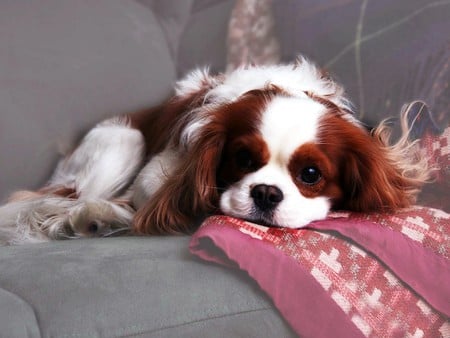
(128,286)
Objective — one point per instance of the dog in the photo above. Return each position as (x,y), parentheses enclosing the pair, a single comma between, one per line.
(276,145)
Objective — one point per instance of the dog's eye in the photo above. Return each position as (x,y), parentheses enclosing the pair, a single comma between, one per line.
(244,159)
(310,175)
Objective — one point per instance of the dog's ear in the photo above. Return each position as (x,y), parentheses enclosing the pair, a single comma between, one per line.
(189,192)
(191,189)
(374,175)
(370,182)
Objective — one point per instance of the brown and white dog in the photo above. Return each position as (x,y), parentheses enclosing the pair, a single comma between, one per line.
(276,145)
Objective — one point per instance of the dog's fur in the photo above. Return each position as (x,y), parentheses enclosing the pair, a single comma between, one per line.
(277,145)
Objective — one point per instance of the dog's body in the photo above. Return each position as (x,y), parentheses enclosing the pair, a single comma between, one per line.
(276,145)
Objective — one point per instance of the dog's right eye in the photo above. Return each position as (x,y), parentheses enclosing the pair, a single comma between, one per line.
(244,159)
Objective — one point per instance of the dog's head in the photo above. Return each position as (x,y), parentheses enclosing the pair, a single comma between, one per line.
(278,146)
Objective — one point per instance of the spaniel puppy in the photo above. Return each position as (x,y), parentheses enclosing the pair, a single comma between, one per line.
(276,145)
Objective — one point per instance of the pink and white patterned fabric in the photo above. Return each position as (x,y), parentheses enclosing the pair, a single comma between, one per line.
(351,275)
(437,149)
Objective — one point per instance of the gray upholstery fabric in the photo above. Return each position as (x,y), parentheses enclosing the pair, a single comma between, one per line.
(116,287)
(173,19)
(204,40)
(17,318)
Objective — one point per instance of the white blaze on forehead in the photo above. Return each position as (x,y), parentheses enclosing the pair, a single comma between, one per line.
(289,122)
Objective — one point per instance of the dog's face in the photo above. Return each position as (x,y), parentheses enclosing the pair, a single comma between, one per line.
(273,169)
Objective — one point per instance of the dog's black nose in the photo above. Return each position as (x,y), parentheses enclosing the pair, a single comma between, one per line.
(266,197)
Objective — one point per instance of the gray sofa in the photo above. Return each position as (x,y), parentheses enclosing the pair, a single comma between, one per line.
(65,65)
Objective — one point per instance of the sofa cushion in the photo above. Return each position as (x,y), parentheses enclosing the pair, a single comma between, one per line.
(204,41)
(17,318)
(130,286)
(173,17)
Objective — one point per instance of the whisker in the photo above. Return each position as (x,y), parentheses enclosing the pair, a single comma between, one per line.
(120,230)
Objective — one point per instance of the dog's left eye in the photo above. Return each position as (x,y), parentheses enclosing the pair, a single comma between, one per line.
(310,175)
(244,159)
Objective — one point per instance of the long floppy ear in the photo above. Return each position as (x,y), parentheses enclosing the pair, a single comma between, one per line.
(191,189)
(189,192)
(374,175)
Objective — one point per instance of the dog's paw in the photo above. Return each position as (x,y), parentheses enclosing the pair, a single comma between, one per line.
(99,219)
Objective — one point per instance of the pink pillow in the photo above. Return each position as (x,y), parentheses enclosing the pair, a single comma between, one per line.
(351,275)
